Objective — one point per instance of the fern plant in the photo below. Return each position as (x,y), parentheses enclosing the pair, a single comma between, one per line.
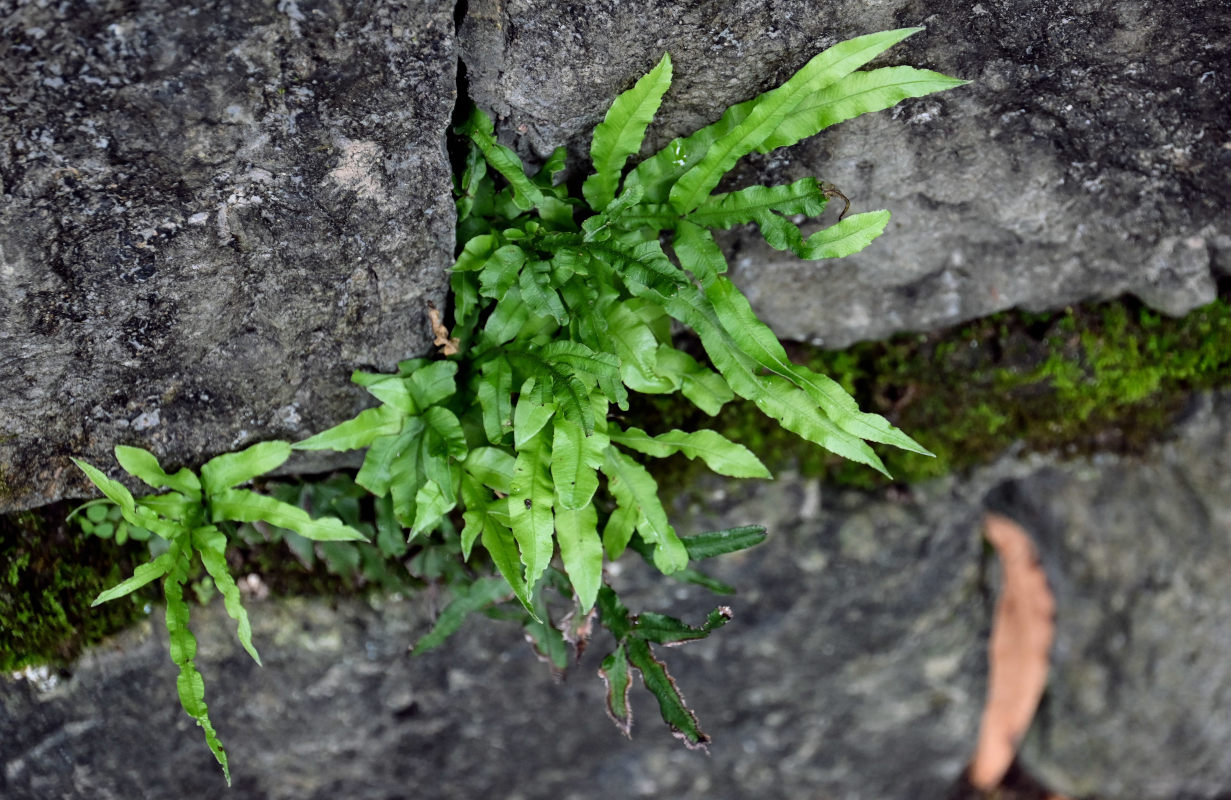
(563,305)
(514,441)
(193,520)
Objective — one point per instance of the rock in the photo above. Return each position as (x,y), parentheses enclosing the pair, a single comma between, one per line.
(1084,161)
(853,668)
(208,217)
(1139,701)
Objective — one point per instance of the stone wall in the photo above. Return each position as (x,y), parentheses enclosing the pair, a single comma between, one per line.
(209,215)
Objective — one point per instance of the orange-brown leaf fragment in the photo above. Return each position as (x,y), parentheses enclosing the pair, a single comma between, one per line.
(448,345)
(1022,634)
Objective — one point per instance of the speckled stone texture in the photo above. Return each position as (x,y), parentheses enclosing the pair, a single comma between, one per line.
(1139,556)
(1087,158)
(209,215)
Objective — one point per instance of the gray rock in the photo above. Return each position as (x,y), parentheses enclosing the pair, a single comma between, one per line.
(209,215)
(853,668)
(1139,701)
(1085,160)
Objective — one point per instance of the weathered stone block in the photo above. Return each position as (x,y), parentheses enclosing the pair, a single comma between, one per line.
(1085,160)
(208,216)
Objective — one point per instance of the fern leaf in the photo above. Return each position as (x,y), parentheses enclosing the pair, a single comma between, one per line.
(189,684)
(621,132)
(538,293)
(718,452)
(144,465)
(376,473)
(804,196)
(675,712)
(846,237)
(771,108)
(857,93)
(143,574)
(581,551)
(575,457)
(478,595)
(432,383)
(356,433)
(241,505)
(530,506)
(658,174)
(633,487)
(232,469)
(494,391)
(481,131)
(705,388)
(491,466)
(501,271)
(390,390)
(211,543)
(617,676)
(530,415)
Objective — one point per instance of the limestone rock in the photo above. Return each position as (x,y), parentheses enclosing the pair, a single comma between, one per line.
(1085,160)
(209,215)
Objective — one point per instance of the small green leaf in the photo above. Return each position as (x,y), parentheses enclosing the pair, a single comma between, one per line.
(492,466)
(232,469)
(189,684)
(633,487)
(498,541)
(143,464)
(670,702)
(241,505)
(501,271)
(718,452)
(356,433)
(388,389)
(848,236)
(376,474)
(478,595)
(211,543)
(431,503)
(538,293)
(617,676)
(547,640)
(143,574)
(662,629)
(621,132)
(717,543)
(114,490)
(621,524)
(480,129)
(575,459)
(582,552)
(530,416)
(530,506)
(495,390)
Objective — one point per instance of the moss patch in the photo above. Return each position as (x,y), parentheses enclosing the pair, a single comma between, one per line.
(51,574)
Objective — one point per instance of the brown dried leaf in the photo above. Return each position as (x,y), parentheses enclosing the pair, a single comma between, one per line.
(1022,634)
(448,346)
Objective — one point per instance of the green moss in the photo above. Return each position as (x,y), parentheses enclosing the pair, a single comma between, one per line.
(1110,377)
(53,571)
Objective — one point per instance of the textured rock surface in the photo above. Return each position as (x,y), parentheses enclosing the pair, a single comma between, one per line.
(1139,702)
(208,216)
(853,669)
(1086,160)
